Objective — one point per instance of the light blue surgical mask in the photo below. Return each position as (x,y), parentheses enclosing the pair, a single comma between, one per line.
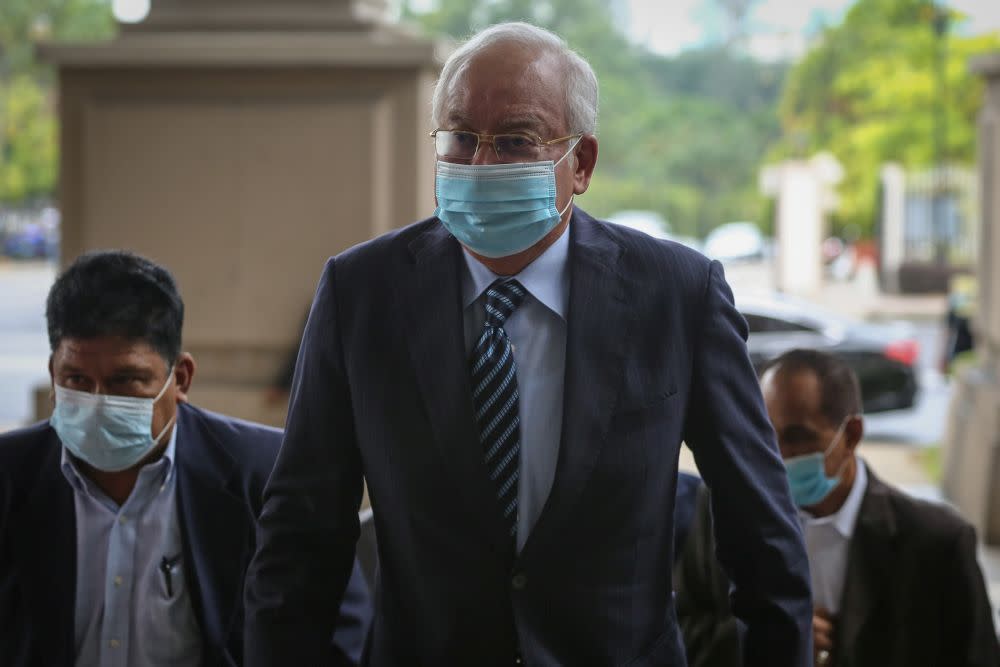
(498,210)
(111,433)
(807,476)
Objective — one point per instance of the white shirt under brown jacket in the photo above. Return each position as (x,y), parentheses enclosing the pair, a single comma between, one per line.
(913,593)
(828,539)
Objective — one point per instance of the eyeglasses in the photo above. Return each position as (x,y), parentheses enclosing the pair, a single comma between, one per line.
(513,147)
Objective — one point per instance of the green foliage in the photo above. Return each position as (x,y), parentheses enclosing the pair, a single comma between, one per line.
(869,94)
(28,138)
(28,154)
(682,136)
(932,461)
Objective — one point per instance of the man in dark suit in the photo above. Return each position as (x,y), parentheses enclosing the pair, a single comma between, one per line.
(513,379)
(895,579)
(127,519)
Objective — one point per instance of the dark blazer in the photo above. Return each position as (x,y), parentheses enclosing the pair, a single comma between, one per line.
(655,354)
(222,465)
(913,596)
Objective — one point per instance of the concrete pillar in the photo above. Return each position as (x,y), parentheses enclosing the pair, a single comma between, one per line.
(892,237)
(972,453)
(241,143)
(804,196)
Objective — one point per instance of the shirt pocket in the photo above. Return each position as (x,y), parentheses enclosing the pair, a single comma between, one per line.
(172,633)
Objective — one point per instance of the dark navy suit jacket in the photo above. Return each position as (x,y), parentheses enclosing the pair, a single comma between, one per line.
(222,465)
(655,355)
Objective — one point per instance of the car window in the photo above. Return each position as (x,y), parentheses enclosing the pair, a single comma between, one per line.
(764,324)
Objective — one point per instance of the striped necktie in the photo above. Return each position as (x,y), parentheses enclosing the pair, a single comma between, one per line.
(495,396)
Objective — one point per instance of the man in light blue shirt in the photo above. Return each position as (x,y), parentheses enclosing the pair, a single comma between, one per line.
(537,330)
(127,519)
(135,597)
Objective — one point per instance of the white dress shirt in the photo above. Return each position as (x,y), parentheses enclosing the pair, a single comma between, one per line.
(126,613)
(827,541)
(537,331)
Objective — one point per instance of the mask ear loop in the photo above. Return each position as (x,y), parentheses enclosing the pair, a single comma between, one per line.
(170,422)
(565,155)
(835,442)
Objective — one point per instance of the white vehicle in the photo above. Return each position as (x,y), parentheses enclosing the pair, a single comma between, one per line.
(735,241)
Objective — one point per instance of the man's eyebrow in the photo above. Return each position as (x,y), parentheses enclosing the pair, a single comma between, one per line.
(522,122)
(132,369)
(458,120)
(798,429)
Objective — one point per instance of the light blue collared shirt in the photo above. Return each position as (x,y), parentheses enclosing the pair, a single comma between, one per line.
(126,615)
(537,330)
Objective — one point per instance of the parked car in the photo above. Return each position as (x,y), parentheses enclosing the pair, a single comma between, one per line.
(735,241)
(884,356)
(28,242)
(652,223)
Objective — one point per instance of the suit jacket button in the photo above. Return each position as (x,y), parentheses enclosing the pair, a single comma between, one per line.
(519,581)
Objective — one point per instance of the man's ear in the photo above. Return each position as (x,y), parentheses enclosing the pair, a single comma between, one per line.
(52,381)
(184,369)
(854,431)
(586,160)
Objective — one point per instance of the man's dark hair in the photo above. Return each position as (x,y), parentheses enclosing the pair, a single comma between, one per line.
(116,293)
(839,388)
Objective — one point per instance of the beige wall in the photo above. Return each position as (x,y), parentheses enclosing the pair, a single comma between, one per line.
(242,180)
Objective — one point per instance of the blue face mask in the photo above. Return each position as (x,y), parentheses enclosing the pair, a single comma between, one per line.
(498,210)
(807,476)
(111,433)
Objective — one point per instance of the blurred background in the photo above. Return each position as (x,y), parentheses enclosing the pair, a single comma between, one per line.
(826,151)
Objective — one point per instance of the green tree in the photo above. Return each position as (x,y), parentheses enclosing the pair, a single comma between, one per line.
(868,93)
(28,138)
(28,155)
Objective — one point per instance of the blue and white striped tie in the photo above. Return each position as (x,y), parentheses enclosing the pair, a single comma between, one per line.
(495,396)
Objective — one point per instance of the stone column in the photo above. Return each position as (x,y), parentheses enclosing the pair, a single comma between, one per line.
(241,143)
(893,205)
(972,454)
(804,195)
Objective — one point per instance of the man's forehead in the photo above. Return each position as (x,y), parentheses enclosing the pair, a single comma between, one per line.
(110,350)
(520,89)
(792,390)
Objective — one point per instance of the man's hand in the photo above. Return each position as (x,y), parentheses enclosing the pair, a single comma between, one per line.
(822,636)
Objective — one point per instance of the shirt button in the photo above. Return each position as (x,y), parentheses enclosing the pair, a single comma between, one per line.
(122,520)
(114,643)
(118,581)
(519,581)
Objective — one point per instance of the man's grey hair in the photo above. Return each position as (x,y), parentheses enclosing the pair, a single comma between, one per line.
(580,82)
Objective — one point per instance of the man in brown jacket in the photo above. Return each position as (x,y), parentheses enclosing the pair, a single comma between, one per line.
(895,579)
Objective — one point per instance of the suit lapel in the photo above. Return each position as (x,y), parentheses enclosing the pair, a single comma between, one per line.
(869,566)
(430,304)
(596,339)
(213,518)
(45,541)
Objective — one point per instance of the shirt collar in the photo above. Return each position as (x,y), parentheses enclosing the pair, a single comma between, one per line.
(844,519)
(546,278)
(77,480)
